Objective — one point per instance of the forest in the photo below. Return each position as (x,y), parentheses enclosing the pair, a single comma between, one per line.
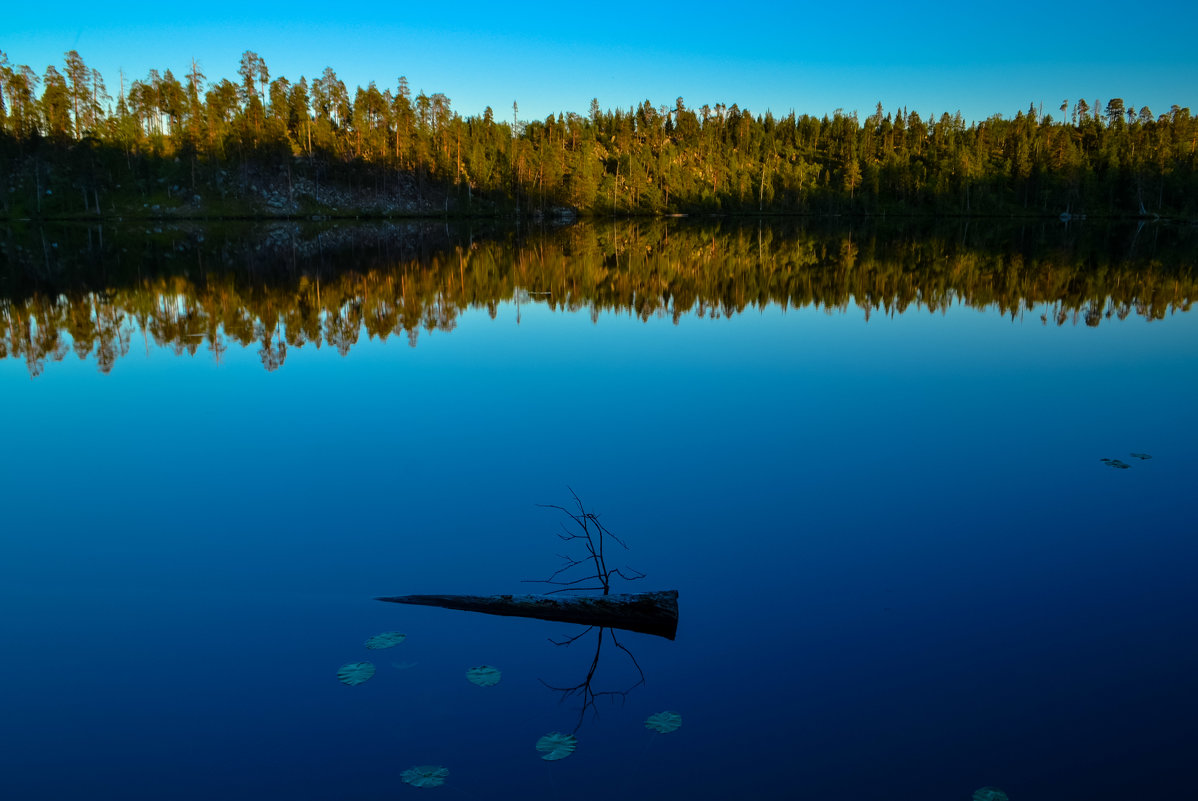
(75,145)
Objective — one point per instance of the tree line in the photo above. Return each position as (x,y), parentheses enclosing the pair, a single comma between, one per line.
(74,143)
(97,294)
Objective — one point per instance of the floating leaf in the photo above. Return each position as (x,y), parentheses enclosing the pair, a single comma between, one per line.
(355,673)
(557,745)
(484,676)
(664,722)
(989,794)
(388,639)
(425,776)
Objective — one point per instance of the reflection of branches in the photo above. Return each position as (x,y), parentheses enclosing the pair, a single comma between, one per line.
(591,533)
(584,689)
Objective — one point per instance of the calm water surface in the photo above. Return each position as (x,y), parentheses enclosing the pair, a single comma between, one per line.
(903,570)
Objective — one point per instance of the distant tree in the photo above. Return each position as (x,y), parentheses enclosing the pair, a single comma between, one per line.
(56,104)
(221,106)
(143,104)
(99,101)
(1114,111)
(851,171)
(20,89)
(79,80)
(331,98)
(404,122)
(299,118)
(5,77)
(279,116)
(195,108)
(172,100)
(252,71)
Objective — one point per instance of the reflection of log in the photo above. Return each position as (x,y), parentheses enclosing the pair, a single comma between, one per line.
(644,612)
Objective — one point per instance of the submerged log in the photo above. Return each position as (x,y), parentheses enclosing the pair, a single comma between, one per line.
(644,612)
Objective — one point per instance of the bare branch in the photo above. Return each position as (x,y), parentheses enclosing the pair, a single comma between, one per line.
(592,532)
(551,581)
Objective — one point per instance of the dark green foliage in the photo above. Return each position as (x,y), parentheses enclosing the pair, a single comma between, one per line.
(325,148)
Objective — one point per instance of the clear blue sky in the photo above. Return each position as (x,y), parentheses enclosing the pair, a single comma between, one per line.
(980,59)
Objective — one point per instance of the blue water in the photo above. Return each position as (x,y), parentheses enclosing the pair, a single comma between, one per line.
(903,571)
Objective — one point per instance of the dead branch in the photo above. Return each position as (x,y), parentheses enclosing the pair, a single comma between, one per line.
(593,534)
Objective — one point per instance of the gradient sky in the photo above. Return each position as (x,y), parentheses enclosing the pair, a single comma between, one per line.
(980,59)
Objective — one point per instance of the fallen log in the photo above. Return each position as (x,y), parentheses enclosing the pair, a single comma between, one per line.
(644,612)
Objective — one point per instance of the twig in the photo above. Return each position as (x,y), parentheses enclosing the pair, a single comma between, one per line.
(588,528)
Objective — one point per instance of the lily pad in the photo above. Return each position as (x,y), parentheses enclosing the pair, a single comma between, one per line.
(989,794)
(355,673)
(664,722)
(388,639)
(425,776)
(557,745)
(484,676)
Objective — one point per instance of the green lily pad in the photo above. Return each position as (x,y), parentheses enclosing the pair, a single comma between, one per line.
(557,745)
(484,676)
(425,776)
(989,794)
(664,722)
(355,673)
(388,639)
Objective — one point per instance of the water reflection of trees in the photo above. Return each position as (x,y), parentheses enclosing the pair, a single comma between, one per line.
(187,290)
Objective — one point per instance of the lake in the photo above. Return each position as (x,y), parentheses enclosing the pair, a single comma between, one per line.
(926,493)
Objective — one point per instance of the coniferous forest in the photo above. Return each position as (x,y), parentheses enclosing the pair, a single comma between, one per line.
(75,144)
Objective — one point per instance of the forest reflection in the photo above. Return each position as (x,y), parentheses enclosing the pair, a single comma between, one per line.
(91,291)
